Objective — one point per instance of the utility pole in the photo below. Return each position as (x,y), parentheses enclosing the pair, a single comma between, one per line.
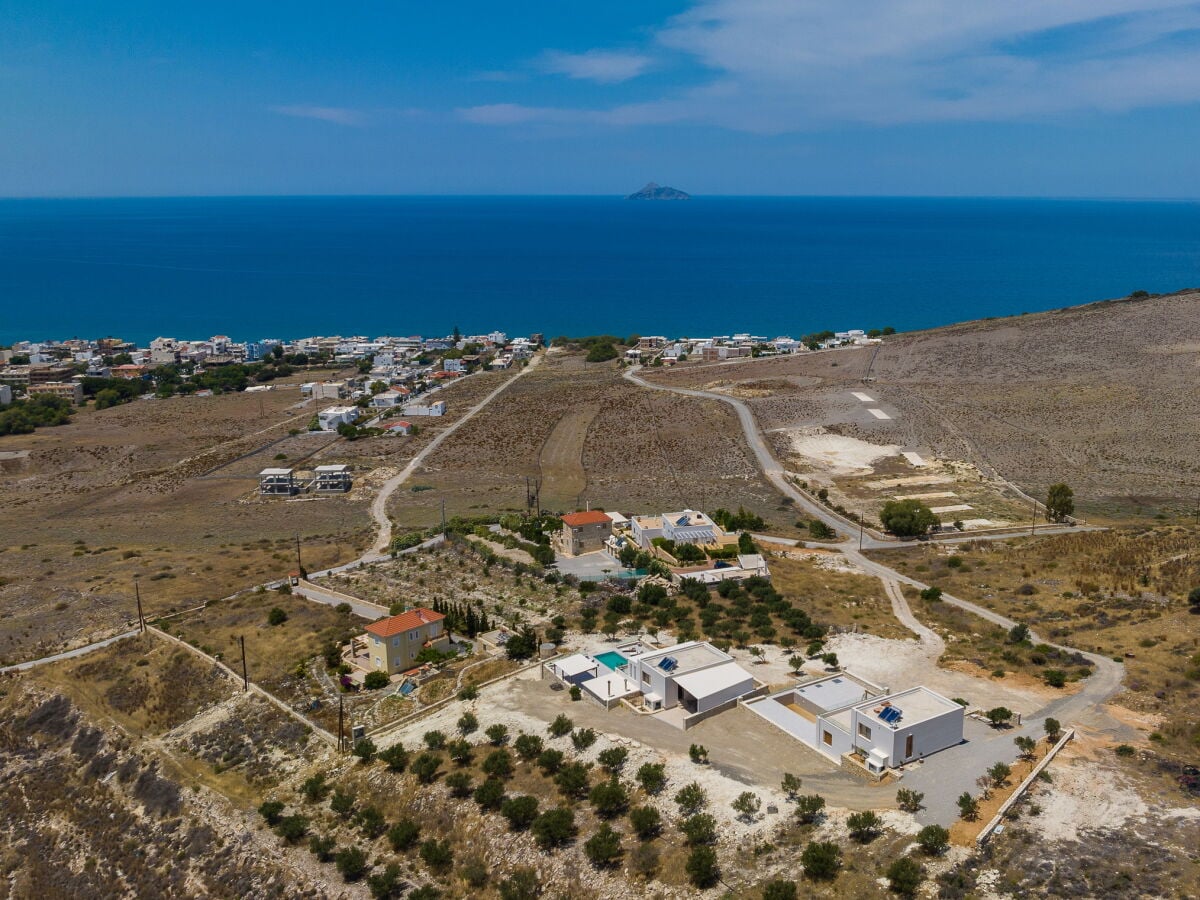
(299,565)
(341,725)
(245,671)
(860,530)
(1033,520)
(138,593)
(443,518)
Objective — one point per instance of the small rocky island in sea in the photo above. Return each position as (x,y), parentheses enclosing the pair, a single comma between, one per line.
(654,191)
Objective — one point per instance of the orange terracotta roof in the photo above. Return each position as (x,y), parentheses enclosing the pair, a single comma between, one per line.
(594,517)
(414,618)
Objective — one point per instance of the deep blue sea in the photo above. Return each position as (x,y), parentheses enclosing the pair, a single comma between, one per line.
(291,267)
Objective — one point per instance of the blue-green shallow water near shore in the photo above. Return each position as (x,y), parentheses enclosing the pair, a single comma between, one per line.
(283,267)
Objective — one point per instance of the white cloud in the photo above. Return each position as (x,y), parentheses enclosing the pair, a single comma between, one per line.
(780,66)
(777,66)
(338,115)
(604,66)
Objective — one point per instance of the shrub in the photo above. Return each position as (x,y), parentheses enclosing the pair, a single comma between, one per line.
(292,828)
(371,821)
(351,862)
(613,758)
(1125,750)
(376,680)
(475,872)
(652,777)
(809,807)
(522,884)
(779,890)
(438,855)
(968,806)
(1053,729)
(550,761)
(434,740)
(583,738)
(604,847)
(497,734)
(934,839)
(425,767)
(909,800)
(791,785)
(272,812)
(364,749)
(702,868)
(864,826)
(404,835)
(395,757)
(576,693)
(907,518)
(459,784)
(999,773)
(572,780)
(821,859)
(468,723)
(698,753)
(469,692)
(1056,678)
(323,848)
(342,803)
(645,821)
(490,794)
(388,884)
(699,829)
(999,715)
(427,891)
(609,798)
(931,594)
(560,726)
(747,805)
(554,827)
(690,799)
(904,876)
(528,746)
(277,616)
(520,811)
(498,764)
(315,789)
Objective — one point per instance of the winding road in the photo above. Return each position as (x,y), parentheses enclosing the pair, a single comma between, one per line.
(1084,707)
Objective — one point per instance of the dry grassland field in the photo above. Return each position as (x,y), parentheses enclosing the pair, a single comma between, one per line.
(590,437)
(166,491)
(1102,397)
(1119,593)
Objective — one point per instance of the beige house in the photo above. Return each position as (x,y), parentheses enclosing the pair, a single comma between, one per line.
(393,643)
(583,532)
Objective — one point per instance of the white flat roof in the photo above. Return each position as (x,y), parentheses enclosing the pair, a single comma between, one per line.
(333,469)
(575,664)
(915,704)
(606,687)
(711,681)
(268,472)
(834,692)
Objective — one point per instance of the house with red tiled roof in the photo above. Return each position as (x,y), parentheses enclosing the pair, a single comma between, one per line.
(400,427)
(394,643)
(583,532)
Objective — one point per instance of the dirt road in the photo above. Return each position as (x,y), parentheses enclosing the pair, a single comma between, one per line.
(379,505)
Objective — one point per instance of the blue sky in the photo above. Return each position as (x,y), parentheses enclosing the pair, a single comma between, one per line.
(925,97)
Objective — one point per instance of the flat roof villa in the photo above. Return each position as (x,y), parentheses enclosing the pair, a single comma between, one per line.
(842,714)
(688,526)
(695,677)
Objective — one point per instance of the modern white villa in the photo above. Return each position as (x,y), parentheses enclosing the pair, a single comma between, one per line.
(842,714)
(684,527)
(694,677)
